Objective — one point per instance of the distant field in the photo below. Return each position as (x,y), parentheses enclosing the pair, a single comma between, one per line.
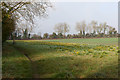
(94,41)
(61,58)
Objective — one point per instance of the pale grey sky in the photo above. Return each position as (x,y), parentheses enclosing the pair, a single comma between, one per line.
(72,12)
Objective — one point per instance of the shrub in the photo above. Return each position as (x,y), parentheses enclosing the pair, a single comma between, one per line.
(8,25)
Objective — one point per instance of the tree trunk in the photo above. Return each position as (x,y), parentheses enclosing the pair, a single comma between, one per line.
(13,39)
(64,35)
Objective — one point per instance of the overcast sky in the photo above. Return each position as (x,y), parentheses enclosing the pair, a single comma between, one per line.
(72,12)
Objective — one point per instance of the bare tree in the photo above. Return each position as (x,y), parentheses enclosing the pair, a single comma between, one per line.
(25,11)
(99,28)
(62,28)
(104,27)
(94,24)
(66,28)
(107,29)
(81,27)
(58,28)
(89,28)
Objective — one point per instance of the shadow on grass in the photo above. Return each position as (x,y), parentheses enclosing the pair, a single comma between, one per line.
(108,71)
(64,66)
(15,64)
(69,67)
(60,67)
(18,49)
(16,68)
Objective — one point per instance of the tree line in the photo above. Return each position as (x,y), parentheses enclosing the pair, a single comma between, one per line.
(91,30)
(18,13)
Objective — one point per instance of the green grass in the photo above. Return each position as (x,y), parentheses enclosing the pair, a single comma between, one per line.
(54,59)
(94,41)
(14,64)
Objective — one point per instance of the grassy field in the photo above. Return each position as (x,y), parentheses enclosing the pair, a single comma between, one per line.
(61,58)
(94,41)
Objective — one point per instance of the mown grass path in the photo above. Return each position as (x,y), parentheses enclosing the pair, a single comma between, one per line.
(33,65)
